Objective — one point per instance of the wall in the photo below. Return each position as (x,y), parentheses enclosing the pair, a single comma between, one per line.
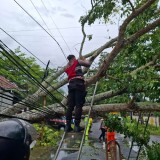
(5,102)
(152,120)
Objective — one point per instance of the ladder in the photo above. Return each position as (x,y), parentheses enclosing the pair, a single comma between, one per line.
(76,139)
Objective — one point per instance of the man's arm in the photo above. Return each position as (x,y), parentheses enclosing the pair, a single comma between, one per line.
(84,63)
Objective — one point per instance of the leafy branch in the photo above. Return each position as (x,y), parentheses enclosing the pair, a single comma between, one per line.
(115,123)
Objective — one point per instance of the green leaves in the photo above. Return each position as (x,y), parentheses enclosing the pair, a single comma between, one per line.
(114,123)
(153,151)
(89,37)
(12,72)
(47,136)
(101,10)
(124,2)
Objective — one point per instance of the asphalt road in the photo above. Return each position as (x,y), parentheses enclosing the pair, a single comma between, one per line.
(92,148)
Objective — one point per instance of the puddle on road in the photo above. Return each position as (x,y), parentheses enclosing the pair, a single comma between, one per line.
(90,149)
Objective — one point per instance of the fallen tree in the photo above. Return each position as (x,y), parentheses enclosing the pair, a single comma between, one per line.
(129,69)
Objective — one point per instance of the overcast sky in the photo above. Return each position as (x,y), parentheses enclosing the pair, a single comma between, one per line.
(61,14)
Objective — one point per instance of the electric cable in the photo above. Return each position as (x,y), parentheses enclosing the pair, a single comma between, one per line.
(29,51)
(44,80)
(22,46)
(22,103)
(32,54)
(7,97)
(46,107)
(56,27)
(42,28)
(40,16)
(8,116)
(17,108)
(40,109)
(27,73)
(74,27)
(32,98)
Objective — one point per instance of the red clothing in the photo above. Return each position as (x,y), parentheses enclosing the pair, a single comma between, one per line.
(74,70)
(76,90)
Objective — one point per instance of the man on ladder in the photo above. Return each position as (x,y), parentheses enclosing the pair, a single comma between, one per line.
(76,91)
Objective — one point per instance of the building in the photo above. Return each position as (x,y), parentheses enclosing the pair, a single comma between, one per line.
(6,92)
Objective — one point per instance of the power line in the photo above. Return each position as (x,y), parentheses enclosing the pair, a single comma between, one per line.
(13,60)
(49,111)
(7,97)
(48,36)
(18,108)
(42,28)
(40,16)
(28,104)
(31,106)
(22,45)
(56,26)
(33,55)
(8,116)
(30,30)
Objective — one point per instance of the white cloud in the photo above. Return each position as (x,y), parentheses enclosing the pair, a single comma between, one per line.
(65,16)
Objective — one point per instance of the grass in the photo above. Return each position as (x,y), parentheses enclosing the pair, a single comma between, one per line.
(154,130)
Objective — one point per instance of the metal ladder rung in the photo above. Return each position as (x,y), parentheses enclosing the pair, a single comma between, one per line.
(69,149)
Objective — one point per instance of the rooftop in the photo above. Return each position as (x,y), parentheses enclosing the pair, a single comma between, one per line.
(6,84)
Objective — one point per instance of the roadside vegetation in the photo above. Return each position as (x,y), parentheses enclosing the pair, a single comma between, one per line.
(138,132)
(47,136)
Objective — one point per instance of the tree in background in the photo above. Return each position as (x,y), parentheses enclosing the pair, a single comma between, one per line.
(26,86)
(128,70)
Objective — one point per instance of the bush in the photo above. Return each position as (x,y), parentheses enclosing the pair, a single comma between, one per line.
(47,135)
(153,151)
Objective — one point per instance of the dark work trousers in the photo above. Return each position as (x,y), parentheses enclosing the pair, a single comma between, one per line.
(102,134)
(76,99)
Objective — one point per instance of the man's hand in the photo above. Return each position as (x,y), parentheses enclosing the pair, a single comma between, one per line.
(82,58)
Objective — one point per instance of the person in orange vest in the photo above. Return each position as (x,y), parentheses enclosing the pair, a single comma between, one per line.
(103,129)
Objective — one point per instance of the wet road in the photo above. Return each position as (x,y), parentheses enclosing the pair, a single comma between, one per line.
(92,149)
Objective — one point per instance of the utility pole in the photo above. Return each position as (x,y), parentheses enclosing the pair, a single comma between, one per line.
(45,75)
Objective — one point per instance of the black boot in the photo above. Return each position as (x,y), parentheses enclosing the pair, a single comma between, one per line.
(77,128)
(68,127)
